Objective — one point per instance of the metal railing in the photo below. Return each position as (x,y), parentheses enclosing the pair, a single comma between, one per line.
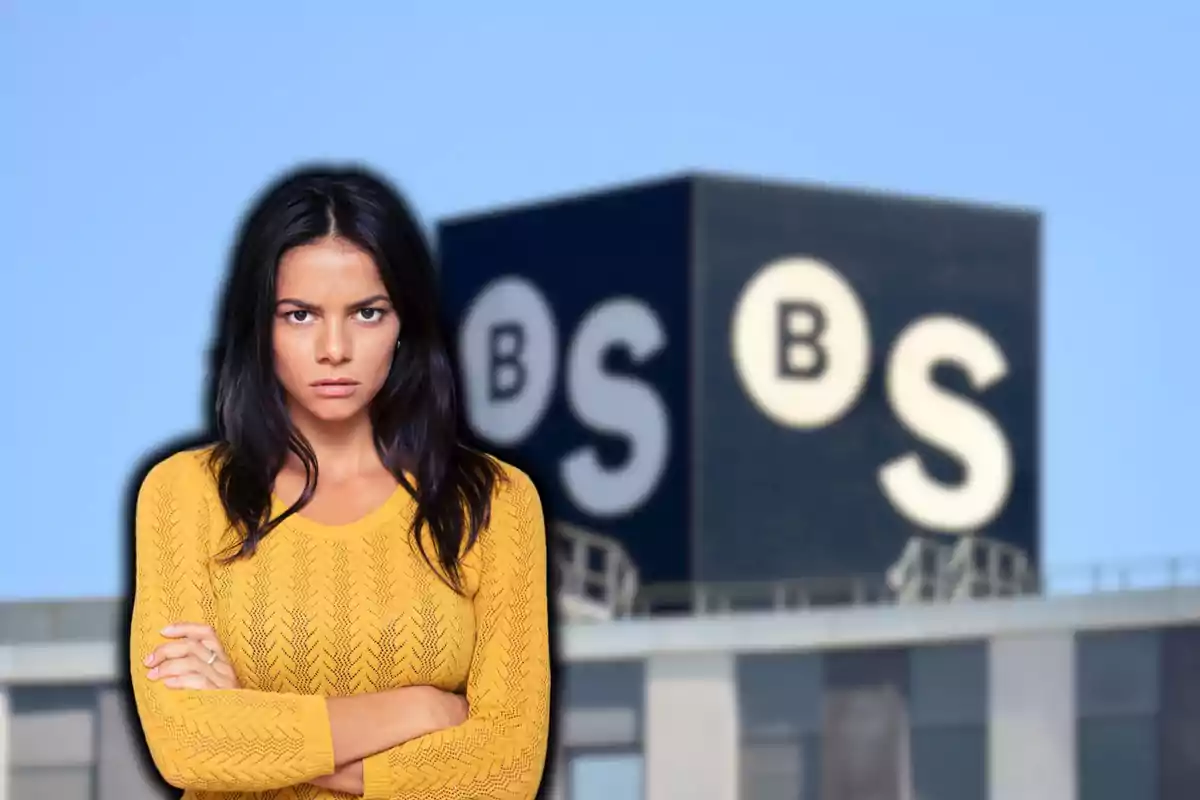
(598,581)
(596,577)
(935,569)
(696,599)
(1122,576)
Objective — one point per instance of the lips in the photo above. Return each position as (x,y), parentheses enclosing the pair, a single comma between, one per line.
(335,387)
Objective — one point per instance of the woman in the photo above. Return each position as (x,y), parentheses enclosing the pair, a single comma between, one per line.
(338,595)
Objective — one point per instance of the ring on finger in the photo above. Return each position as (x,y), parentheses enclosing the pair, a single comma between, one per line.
(212,656)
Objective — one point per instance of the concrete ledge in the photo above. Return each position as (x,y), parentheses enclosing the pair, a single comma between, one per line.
(46,663)
(879,626)
(825,629)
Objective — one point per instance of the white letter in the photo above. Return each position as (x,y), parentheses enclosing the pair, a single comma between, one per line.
(616,404)
(801,344)
(949,422)
(507,346)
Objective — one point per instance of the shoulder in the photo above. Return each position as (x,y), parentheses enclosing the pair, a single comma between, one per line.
(514,484)
(176,507)
(515,501)
(186,472)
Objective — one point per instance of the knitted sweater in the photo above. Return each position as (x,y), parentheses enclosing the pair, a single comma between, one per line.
(333,610)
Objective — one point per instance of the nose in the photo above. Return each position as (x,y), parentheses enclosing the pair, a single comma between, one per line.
(334,345)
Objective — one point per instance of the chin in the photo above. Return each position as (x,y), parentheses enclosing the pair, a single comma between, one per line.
(334,411)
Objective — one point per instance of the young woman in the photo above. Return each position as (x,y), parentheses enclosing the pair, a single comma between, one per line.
(338,596)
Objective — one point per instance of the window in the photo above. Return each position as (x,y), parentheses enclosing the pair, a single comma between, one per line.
(1118,758)
(788,767)
(603,704)
(780,710)
(1179,718)
(60,783)
(866,748)
(865,723)
(605,776)
(1117,690)
(949,762)
(601,734)
(53,740)
(948,717)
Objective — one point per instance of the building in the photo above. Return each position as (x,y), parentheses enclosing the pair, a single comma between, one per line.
(1086,696)
(745,380)
(730,389)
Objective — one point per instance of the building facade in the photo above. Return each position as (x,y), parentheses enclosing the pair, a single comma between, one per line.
(1078,697)
(745,380)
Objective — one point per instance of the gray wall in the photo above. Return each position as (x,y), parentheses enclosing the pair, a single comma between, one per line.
(122,769)
(1032,698)
(692,727)
(1094,715)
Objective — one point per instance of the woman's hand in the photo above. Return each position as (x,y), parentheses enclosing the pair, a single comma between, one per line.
(347,779)
(437,709)
(425,709)
(194,659)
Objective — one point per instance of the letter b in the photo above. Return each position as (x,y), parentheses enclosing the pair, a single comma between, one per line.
(506,372)
(508,345)
(801,324)
(801,345)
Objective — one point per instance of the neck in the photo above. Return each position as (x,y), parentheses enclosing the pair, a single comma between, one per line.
(344,449)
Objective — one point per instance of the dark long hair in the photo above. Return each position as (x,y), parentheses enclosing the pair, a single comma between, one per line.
(414,416)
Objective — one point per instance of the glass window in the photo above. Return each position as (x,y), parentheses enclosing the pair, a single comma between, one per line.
(605,684)
(948,685)
(788,769)
(1179,757)
(779,694)
(603,704)
(605,776)
(1118,759)
(1117,673)
(1179,723)
(52,726)
(780,718)
(1181,666)
(948,718)
(855,669)
(865,731)
(59,783)
(950,763)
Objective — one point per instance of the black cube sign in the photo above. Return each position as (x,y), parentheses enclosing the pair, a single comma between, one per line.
(572,326)
(743,381)
(867,369)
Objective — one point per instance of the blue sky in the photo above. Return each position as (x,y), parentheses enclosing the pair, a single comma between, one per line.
(133,135)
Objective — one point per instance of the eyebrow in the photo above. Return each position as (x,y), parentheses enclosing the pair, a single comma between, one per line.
(375,298)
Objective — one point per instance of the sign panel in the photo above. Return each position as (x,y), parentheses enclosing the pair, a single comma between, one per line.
(868,370)
(571,322)
(751,382)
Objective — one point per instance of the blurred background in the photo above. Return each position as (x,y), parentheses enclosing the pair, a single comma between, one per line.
(850,346)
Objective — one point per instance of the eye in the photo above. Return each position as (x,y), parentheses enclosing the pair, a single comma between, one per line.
(372,314)
(299,315)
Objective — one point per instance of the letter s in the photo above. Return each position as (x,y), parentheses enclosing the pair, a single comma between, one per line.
(618,405)
(949,422)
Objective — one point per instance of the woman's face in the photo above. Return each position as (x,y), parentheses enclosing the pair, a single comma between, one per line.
(335,330)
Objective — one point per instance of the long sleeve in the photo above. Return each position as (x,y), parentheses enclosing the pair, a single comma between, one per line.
(216,740)
(499,752)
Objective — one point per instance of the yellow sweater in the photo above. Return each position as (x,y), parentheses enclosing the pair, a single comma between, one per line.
(326,610)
